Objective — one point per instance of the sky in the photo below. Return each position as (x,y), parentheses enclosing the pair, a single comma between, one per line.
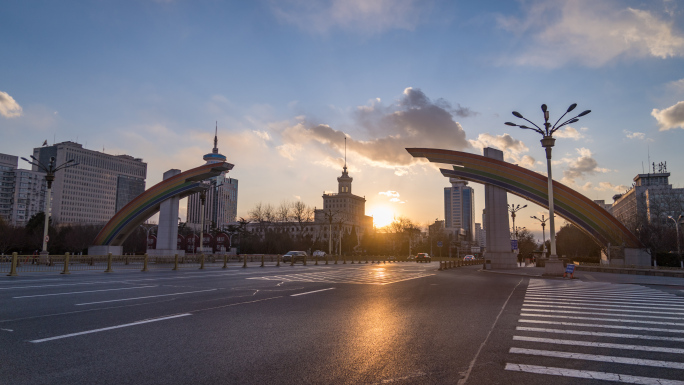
(288,80)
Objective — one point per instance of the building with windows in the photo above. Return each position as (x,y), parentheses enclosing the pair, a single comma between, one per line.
(8,166)
(29,195)
(221,195)
(93,191)
(459,209)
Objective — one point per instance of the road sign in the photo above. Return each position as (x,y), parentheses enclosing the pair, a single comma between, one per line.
(439,244)
(514,244)
(47,238)
(570,269)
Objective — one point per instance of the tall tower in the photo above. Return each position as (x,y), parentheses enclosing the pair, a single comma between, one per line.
(459,207)
(344,182)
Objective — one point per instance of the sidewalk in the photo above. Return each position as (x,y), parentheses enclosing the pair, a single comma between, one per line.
(595,276)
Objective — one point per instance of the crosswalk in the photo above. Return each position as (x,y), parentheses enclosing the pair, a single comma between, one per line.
(354,275)
(600,332)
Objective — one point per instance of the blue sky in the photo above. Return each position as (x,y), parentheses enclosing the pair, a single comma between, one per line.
(287,80)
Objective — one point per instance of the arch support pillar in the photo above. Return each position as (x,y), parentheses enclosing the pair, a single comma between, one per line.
(496,222)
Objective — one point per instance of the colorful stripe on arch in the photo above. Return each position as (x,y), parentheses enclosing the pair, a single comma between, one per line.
(137,211)
(568,203)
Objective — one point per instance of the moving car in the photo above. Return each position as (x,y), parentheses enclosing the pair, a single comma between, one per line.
(469,258)
(423,257)
(319,253)
(294,256)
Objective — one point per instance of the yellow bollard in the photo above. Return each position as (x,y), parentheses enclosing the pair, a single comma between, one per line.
(66,264)
(326,259)
(13,269)
(244,262)
(352,262)
(201,261)
(304,260)
(109,263)
(175,262)
(336,259)
(262,260)
(316,259)
(344,261)
(278,259)
(144,263)
(225,261)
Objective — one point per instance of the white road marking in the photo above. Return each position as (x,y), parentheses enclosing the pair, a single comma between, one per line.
(600,358)
(149,296)
(613,310)
(672,300)
(591,375)
(599,334)
(7,330)
(527,309)
(642,307)
(603,319)
(63,284)
(81,292)
(601,326)
(599,344)
(310,292)
(108,328)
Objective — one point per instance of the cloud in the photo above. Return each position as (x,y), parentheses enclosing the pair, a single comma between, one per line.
(9,108)
(513,149)
(581,166)
(389,193)
(671,117)
(570,133)
(677,85)
(591,33)
(360,16)
(634,135)
(607,186)
(412,121)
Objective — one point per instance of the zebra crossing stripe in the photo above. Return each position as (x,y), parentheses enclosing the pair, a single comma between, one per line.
(591,375)
(603,305)
(615,310)
(600,358)
(603,319)
(601,326)
(533,310)
(620,300)
(600,334)
(600,302)
(600,345)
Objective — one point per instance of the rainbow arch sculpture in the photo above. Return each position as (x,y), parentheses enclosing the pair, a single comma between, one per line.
(137,211)
(568,203)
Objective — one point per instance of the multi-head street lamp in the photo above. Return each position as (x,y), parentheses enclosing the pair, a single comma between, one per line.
(547,142)
(49,171)
(514,209)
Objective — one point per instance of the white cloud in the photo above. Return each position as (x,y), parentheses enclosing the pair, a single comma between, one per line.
(581,166)
(389,193)
(513,149)
(592,33)
(360,16)
(607,186)
(262,134)
(671,117)
(677,85)
(9,108)
(570,133)
(634,135)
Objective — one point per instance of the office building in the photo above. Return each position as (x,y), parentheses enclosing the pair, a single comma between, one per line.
(459,209)
(29,195)
(93,191)
(8,166)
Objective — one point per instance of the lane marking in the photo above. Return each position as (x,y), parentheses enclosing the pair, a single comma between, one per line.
(600,358)
(81,292)
(64,284)
(603,319)
(642,307)
(599,334)
(599,344)
(601,326)
(310,292)
(108,328)
(529,310)
(614,310)
(612,300)
(149,296)
(591,375)
(463,380)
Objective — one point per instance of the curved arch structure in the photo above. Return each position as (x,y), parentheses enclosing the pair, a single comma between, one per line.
(137,211)
(568,203)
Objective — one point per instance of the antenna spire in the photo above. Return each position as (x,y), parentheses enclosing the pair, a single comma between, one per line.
(215,149)
(345,152)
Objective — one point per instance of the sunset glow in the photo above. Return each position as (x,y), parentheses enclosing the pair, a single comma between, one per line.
(382,216)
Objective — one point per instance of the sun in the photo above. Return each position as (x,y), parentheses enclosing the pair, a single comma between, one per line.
(382,216)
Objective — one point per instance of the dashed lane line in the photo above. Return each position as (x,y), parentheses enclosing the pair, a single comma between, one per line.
(82,292)
(149,296)
(311,292)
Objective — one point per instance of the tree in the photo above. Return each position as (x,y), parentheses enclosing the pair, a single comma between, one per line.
(573,243)
(526,244)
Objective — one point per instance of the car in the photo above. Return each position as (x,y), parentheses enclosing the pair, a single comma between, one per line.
(319,253)
(294,256)
(423,257)
(469,258)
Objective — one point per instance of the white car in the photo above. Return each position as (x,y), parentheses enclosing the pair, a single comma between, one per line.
(319,253)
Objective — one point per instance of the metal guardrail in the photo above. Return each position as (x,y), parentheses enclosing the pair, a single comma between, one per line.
(452,264)
(615,266)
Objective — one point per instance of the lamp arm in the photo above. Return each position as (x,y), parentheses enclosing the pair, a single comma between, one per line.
(531,122)
(559,119)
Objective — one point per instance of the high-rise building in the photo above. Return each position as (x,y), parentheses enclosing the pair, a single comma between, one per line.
(29,195)
(220,207)
(8,166)
(459,208)
(93,191)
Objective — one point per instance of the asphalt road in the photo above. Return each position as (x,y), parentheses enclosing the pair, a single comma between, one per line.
(401,323)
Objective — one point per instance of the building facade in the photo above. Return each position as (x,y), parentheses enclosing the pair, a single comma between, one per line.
(459,208)
(29,195)
(8,166)
(94,190)
(221,197)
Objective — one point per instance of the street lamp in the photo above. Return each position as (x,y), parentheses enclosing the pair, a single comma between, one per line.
(553,266)
(543,225)
(330,215)
(147,237)
(679,252)
(203,199)
(49,171)
(514,209)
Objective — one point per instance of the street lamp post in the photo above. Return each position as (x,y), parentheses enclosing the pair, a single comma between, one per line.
(49,171)
(543,225)
(514,209)
(679,251)
(203,199)
(147,236)
(553,266)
